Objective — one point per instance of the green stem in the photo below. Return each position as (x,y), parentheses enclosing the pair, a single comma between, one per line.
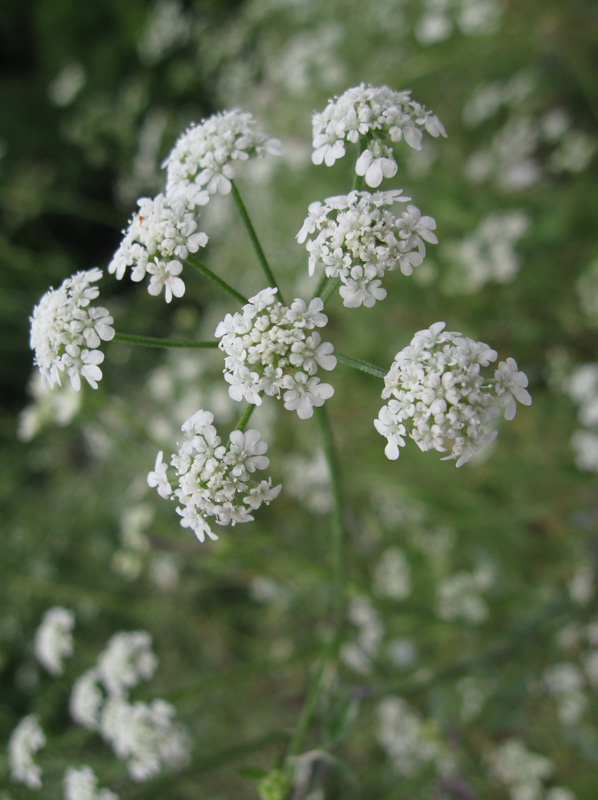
(330,290)
(361,365)
(320,287)
(207,273)
(254,239)
(154,341)
(242,423)
(337,526)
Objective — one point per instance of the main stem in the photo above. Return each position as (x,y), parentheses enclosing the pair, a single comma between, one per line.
(207,273)
(254,239)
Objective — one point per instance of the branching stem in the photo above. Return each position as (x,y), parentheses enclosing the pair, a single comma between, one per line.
(207,273)
(154,341)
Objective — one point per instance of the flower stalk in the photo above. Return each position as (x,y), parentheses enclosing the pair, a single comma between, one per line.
(155,341)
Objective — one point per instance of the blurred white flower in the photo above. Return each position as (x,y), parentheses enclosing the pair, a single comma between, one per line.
(26,739)
(81,783)
(53,639)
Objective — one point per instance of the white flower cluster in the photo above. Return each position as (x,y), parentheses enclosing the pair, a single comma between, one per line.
(26,739)
(410,742)
(202,160)
(159,237)
(271,348)
(144,735)
(359,654)
(566,683)
(358,240)
(378,116)
(81,783)
(522,771)
(436,387)
(66,330)
(458,596)
(488,254)
(582,387)
(215,480)
(53,639)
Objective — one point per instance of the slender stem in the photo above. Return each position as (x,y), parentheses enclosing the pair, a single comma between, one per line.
(254,239)
(330,290)
(207,272)
(337,526)
(320,287)
(154,341)
(360,364)
(242,423)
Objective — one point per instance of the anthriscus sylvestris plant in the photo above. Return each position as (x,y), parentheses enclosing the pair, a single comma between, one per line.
(440,391)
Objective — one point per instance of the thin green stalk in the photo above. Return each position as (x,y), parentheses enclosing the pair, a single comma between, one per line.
(330,290)
(320,287)
(337,523)
(242,423)
(254,240)
(154,341)
(207,273)
(361,365)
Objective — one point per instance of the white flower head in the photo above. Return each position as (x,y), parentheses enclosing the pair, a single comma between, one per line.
(275,350)
(53,639)
(202,162)
(66,332)
(439,396)
(378,117)
(160,236)
(145,736)
(81,783)
(26,739)
(215,480)
(127,659)
(86,700)
(358,239)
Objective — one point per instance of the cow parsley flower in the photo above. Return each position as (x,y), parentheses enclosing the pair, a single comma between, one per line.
(145,736)
(273,349)
(202,161)
(26,739)
(66,332)
(81,783)
(378,117)
(436,389)
(127,659)
(216,480)
(53,639)
(86,700)
(357,239)
(159,238)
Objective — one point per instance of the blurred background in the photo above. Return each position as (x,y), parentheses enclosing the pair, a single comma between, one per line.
(473,591)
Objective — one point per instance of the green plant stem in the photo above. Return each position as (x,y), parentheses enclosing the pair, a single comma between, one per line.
(320,287)
(242,423)
(207,273)
(154,341)
(254,240)
(337,523)
(330,290)
(361,365)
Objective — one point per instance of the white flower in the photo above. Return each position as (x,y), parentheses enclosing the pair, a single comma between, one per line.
(65,330)
(273,349)
(145,736)
(377,116)
(53,639)
(160,235)
(510,386)
(158,478)
(357,239)
(81,783)
(202,161)
(26,739)
(518,768)
(86,700)
(437,390)
(127,659)
(216,480)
